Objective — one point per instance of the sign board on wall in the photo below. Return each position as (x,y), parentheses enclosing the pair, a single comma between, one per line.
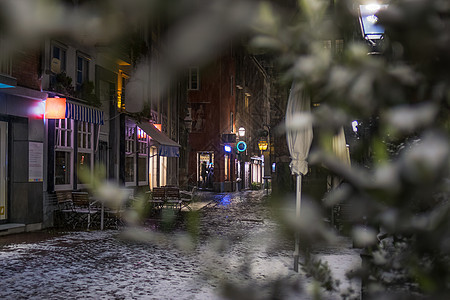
(229,138)
(35,162)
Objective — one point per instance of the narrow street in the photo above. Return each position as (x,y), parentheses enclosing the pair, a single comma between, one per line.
(239,250)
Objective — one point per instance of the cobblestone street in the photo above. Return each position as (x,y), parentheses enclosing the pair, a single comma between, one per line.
(239,250)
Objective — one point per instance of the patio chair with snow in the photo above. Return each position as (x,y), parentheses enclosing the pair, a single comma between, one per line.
(84,210)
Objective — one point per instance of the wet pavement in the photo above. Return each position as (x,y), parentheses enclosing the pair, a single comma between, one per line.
(232,246)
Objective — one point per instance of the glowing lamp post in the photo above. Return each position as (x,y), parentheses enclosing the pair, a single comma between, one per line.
(371,31)
(241,131)
(240,147)
(263,145)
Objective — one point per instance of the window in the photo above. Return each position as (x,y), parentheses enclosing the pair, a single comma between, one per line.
(136,155)
(246,101)
(227,167)
(205,160)
(232,85)
(130,154)
(85,153)
(129,139)
(162,171)
(63,154)
(327,44)
(338,46)
(193,78)
(121,84)
(5,59)
(3,182)
(142,146)
(85,136)
(63,171)
(58,58)
(173,131)
(164,124)
(153,167)
(256,170)
(82,70)
(231,122)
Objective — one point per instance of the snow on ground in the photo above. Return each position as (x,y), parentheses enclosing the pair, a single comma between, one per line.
(98,265)
(101,265)
(340,265)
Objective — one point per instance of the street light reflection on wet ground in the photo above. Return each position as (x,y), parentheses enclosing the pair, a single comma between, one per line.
(225,201)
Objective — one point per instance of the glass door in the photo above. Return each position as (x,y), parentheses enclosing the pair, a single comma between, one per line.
(153,168)
(3,170)
(205,169)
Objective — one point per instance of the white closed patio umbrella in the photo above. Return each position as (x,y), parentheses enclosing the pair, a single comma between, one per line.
(299,136)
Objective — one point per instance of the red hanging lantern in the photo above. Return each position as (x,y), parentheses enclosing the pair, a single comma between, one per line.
(55,108)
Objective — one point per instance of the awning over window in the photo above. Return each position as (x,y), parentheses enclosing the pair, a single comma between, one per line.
(84,113)
(168,147)
(168,151)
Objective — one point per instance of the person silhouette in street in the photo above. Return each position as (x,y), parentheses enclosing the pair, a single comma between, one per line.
(203,173)
(210,176)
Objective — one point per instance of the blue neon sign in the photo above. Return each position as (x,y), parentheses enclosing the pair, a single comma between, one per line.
(227,148)
(241,146)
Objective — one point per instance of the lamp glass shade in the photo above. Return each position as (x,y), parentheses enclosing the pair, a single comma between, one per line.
(369,20)
(55,108)
(262,145)
(241,131)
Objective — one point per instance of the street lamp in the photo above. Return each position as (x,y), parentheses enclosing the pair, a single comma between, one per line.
(263,145)
(371,31)
(241,131)
(355,126)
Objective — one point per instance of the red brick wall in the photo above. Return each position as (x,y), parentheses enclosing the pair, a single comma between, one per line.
(26,65)
(215,97)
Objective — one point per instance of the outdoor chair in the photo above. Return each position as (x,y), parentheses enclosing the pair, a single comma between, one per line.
(50,207)
(187,198)
(114,218)
(83,209)
(129,196)
(157,197)
(54,209)
(173,198)
(65,215)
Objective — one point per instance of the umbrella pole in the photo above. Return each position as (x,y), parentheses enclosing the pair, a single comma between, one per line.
(297,217)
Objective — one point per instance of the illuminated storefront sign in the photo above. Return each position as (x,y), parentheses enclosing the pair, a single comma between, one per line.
(241,146)
(55,108)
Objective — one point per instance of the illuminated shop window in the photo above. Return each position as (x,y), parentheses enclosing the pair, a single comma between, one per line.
(85,153)
(63,154)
